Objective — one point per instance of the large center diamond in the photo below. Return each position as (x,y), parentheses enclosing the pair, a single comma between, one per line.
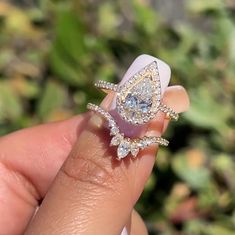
(136,104)
(131,102)
(140,96)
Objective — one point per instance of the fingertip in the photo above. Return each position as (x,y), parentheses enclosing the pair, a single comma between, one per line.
(177,98)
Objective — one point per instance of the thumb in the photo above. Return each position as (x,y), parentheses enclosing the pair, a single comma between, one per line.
(94,193)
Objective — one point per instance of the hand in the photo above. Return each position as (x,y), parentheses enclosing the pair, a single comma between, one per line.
(70,166)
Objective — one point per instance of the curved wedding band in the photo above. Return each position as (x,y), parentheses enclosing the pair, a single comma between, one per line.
(125,145)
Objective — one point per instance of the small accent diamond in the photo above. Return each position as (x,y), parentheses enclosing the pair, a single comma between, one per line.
(114,130)
(116,140)
(134,149)
(123,149)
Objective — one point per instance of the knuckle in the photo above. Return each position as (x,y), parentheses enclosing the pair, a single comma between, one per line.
(89,171)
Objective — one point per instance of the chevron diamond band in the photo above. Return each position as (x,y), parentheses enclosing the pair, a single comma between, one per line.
(125,145)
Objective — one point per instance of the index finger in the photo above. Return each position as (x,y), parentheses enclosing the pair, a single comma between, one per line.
(93,193)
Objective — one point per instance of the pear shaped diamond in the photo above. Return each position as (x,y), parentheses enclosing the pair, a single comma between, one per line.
(139,98)
(123,149)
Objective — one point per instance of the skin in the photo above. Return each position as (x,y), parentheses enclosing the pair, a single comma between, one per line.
(70,168)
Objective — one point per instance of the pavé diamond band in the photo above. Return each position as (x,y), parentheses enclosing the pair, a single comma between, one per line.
(139,99)
(125,145)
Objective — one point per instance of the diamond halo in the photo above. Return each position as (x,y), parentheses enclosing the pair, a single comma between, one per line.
(138,100)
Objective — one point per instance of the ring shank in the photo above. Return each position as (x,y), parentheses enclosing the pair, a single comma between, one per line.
(106,86)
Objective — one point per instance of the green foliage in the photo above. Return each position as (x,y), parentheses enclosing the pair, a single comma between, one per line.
(50,55)
(9,103)
(53,98)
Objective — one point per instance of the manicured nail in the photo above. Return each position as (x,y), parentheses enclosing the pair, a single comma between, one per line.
(177,98)
(96,121)
(139,63)
(124,231)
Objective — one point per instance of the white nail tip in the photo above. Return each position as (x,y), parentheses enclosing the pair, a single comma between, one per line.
(124,231)
(143,60)
(139,63)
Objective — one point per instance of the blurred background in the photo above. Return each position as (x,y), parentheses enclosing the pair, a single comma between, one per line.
(52,51)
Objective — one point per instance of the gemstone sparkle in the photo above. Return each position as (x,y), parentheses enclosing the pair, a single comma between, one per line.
(138,98)
(124,144)
(123,149)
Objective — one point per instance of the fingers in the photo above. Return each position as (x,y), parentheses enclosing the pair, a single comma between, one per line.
(29,161)
(138,226)
(94,193)
(175,95)
(135,225)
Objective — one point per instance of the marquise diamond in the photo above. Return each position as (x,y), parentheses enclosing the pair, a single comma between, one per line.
(134,149)
(123,149)
(116,140)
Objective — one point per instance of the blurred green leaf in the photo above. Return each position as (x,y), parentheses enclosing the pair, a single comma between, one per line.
(69,50)
(218,229)
(205,111)
(10,105)
(53,98)
(225,166)
(195,227)
(190,167)
(201,5)
(145,16)
(107,11)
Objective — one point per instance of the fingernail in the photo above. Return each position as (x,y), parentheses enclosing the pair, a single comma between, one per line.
(139,63)
(124,231)
(177,98)
(96,121)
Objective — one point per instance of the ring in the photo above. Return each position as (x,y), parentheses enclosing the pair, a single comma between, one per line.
(125,145)
(139,99)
